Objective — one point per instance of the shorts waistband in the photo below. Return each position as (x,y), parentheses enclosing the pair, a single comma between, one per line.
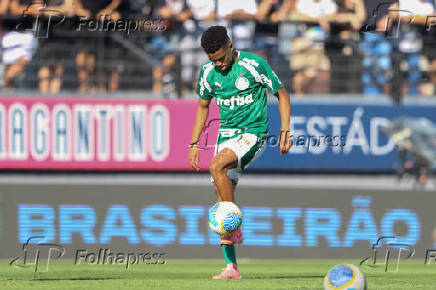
(228,132)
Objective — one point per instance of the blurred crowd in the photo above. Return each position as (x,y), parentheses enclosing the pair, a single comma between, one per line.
(366,47)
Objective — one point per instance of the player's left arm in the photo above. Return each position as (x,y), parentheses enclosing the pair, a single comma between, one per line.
(285,115)
(271,81)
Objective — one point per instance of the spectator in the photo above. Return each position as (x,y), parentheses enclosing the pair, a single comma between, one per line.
(202,16)
(98,9)
(242,15)
(29,7)
(310,65)
(428,86)
(311,73)
(432,76)
(288,28)
(350,14)
(266,41)
(163,46)
(4,7)
(309,11)
(236,10)
(202,10)
(340,44)
(134,9)
(17,47)
(53,51)
(410,41)
(376,48)
(108,76)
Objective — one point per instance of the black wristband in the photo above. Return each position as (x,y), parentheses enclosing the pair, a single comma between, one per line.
(193,144)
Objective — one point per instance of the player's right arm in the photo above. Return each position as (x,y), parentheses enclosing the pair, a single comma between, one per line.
(204,91)
(200,120)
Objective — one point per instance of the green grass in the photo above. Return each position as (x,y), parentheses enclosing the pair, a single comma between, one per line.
(195,274)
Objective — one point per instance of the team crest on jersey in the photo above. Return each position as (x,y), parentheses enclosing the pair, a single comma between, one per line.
(242,83)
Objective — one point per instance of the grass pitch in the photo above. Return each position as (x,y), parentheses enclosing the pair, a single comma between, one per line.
(196,274)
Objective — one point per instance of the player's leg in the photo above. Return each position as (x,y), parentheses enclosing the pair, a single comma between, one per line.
(225,186)
(228,250)
(231,270)
(246,148)
(251,148)
(218,195)
(220,163)
(236,237)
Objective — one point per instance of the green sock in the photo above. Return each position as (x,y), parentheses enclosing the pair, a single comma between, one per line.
(229,254)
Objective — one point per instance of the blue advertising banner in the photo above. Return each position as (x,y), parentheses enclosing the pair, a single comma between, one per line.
(173,219)
(337,136)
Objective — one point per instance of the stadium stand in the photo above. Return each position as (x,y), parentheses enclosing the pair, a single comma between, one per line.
(316,47)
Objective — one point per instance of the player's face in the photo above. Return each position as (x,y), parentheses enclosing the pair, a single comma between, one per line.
(222,57)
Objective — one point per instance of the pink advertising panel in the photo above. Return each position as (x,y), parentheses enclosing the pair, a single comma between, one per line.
(101,134)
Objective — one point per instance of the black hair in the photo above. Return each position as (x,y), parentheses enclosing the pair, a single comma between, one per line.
(214,38)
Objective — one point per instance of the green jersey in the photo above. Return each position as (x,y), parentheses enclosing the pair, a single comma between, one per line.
(240,93)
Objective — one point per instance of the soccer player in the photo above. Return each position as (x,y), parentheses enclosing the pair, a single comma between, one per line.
(238,81)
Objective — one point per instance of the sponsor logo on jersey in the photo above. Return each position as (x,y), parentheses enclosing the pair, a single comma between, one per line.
(235,101)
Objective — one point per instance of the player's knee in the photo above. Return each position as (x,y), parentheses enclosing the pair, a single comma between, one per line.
(215,167)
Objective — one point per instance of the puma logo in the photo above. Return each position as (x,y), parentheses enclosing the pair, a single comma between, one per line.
(218,85)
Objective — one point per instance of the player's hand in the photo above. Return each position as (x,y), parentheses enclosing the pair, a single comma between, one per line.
(285,141)
(194,157)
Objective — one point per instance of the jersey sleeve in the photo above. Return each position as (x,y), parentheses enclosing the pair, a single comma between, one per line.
(268,77)
(204,89)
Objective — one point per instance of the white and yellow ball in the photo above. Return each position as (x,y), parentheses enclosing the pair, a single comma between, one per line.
(225,217)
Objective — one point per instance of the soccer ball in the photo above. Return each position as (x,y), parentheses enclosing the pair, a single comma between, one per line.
(225,217)
(345,277)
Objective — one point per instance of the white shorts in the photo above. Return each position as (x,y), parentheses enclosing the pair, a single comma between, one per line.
(248,147)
